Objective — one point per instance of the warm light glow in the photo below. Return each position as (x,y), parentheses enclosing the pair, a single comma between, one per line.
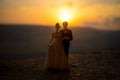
(49,12)
(65,15)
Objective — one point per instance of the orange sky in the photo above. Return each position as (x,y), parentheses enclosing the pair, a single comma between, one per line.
(48,12)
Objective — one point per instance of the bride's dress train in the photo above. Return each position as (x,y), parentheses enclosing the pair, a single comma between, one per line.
(56,56)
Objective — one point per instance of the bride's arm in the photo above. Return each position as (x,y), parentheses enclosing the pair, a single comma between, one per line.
(52,39)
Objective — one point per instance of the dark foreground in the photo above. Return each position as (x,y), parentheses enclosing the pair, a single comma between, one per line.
(83,66)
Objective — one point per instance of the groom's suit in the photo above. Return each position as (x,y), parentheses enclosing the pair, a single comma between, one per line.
(67,37)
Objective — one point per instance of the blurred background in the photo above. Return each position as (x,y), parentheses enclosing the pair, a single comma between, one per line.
(26,26)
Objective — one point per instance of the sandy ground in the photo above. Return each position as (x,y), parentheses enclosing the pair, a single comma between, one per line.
(83,66)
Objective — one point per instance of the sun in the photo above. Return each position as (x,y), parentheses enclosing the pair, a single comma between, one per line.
(65,15)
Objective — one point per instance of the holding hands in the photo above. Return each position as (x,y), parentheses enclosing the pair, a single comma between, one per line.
(66,38)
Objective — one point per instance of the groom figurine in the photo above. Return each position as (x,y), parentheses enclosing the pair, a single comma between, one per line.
(67,37)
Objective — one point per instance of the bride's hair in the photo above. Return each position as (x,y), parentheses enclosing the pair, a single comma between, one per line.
(57,25)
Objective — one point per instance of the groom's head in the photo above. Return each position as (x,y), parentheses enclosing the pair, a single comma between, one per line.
(65,24)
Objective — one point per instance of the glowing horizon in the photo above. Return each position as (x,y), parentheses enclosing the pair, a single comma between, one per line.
(48,12)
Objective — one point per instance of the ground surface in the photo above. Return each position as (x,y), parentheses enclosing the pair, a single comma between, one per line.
(83,66)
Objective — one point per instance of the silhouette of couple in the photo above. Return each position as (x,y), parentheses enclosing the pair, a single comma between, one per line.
(58,51)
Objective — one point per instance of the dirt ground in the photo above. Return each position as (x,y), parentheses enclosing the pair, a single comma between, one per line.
(83,66)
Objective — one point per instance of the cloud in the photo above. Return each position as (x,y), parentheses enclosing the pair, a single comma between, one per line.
(102,2)
(111,23)
(116,20)
(69,4)
(107,24)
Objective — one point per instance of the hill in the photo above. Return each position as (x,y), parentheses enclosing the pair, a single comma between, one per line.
(29,39)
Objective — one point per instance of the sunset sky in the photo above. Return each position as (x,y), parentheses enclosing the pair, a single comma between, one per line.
(96,13)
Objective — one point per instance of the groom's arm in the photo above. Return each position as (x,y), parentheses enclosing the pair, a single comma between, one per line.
(71,35)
